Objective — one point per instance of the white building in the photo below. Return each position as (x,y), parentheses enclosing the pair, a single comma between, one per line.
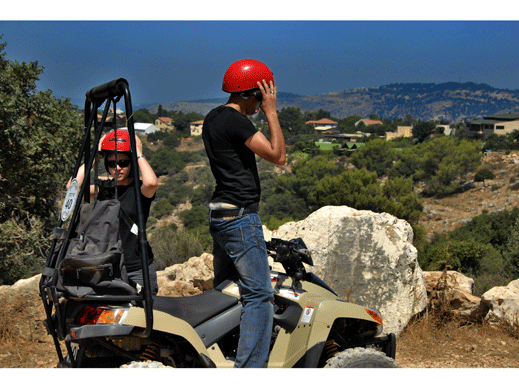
(143,128)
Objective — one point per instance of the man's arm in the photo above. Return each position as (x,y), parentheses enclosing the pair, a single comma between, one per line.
(273,151)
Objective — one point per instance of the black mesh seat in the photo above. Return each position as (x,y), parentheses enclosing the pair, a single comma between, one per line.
(195,309)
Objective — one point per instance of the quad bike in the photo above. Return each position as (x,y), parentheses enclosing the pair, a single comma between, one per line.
(312,326)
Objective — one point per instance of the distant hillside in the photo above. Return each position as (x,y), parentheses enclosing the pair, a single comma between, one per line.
(204,106)
(451,101)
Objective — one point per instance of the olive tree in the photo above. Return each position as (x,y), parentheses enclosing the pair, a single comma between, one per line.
(39,140)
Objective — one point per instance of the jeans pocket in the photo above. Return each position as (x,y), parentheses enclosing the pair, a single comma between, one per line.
(232,241)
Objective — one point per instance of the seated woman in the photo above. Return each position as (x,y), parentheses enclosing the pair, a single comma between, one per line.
(117,157)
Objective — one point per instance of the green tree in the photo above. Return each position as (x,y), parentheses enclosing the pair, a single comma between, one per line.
(161,208)
(347,124)
(305,174)
(423,130)
(448,160)
(39,140)
(376,155)
(165,161)
(360,189)
(144,116)
(512,252)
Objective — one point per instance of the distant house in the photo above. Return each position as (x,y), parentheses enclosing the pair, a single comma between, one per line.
(324,126)
(164,123)
(368,122)
(405,131)
(196,127)
(494,124)
(143,128)
(323,123)
(117,111)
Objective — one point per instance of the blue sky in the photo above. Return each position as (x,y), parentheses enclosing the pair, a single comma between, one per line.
(180,60)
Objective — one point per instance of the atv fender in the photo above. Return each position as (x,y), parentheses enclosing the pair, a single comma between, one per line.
(328,312)
(168,324)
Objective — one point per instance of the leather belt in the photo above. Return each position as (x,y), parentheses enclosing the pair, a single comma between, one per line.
(233,212)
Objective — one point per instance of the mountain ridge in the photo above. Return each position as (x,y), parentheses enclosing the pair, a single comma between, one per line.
(451,101)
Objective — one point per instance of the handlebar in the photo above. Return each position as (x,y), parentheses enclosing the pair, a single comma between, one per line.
(285,249)
(112,88)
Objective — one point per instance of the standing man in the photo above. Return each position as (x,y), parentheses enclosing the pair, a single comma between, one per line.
(232,143)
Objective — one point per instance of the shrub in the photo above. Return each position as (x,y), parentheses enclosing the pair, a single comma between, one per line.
(171,246)
(161,207)
(484,174)
(22,244)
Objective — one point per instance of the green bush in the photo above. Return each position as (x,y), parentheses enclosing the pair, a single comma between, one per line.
(22,245)
(484,174)
(171,246)
(161,208)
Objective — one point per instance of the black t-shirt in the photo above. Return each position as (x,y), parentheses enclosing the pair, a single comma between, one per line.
(130,241)
(233,164)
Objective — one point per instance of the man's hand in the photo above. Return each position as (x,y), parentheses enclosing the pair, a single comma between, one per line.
(269,93)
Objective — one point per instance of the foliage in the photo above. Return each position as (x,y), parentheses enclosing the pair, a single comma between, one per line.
(305,174)
(487,248)
(40,136)
(376,155)
(360,189)
(143,116)
(423,130)
(165,161)
(195,217)
(484,174)
(39,139)
(281,208)
(161,207)
(22,245)
(496,142)
(172,246)
(440,163)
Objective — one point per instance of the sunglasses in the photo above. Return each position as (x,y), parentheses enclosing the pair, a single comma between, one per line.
(120,162)
(255,92)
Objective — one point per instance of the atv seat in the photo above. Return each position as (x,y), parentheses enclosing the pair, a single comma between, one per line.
(195,309)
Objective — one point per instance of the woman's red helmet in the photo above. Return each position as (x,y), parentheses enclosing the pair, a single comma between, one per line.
(119,143)
(244,74)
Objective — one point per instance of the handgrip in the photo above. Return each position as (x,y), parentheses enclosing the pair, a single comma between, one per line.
(112,88)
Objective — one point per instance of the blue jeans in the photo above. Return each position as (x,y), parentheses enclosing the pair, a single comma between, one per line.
(240,254)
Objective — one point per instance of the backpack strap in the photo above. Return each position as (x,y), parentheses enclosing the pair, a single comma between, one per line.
(129,222)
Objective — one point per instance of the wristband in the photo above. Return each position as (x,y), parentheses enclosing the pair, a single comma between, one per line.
(141,156)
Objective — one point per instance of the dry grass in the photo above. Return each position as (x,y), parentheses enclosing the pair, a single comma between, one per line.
(433,342)
(23,339)
(429,341)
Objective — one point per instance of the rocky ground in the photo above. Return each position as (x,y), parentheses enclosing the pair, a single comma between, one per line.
(420,346)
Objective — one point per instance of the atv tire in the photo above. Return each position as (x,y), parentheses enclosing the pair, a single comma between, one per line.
(360,358)
(144,365)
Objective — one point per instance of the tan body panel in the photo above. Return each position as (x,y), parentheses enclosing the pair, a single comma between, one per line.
(320,309)
(166,323)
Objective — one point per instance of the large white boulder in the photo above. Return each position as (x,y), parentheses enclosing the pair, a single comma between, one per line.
(368,258)
(503,304)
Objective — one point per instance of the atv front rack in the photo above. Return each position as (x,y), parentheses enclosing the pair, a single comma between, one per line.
(108,94)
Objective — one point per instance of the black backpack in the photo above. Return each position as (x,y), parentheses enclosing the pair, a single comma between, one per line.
(94,262)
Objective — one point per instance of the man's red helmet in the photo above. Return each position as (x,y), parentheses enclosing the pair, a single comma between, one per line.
(244,74)
(122,141)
